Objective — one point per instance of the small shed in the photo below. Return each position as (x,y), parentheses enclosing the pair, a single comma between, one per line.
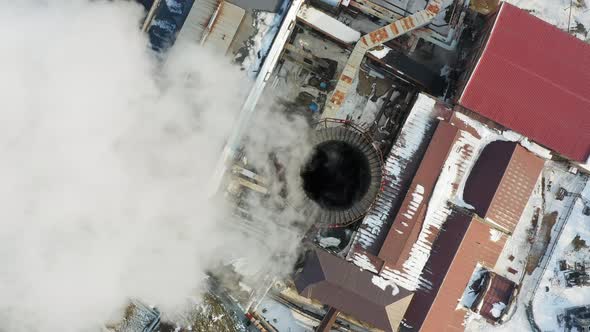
(497,297)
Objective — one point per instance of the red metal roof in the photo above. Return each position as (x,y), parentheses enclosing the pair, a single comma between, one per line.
(535,79)
(409,221)
(500,290)
(462,243)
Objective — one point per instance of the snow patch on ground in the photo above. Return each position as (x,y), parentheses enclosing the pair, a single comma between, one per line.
(557,12)
(548,304)
(551,297)
(283,318)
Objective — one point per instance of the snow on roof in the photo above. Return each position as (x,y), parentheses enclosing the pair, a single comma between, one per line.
(381,52)
(515,252)
(538,85)
(489,135)
(384,283)
(471,291)
(284,318)
(335,282)
(497,309)
(463,243)
(139,318)
(328,24)
(456,163)
(546,305)
(410,138)
(361,260)
(495,235)
(266,25)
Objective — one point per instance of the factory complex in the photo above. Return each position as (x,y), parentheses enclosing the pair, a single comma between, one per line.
(450,155)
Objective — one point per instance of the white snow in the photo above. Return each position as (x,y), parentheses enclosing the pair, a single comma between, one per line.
(525,142)
(174,6)
(469,295)
(363,262)
(497,309)
(381,52)
(437,212)
(557,12)
(328,24)
(165,25)
(546,304)
(327,242)
(417,197)
(383,283)
(517,246)
(495,235)
(283,318)
(354,105)
(418,121)
(267,25)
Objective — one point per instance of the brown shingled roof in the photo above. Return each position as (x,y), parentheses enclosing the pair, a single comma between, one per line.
(340,284)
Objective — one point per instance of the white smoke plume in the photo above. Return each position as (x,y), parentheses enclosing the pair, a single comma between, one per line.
(105,157)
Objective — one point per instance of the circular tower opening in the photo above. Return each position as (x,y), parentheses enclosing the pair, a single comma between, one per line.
(337,175)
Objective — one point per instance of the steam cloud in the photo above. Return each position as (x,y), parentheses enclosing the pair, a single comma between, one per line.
(105,157)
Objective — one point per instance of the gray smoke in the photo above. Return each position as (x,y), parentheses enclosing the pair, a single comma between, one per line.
(104,160)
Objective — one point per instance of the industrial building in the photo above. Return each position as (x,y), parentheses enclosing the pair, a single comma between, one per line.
(500,183)
(339,284)
(421,203)
(454,240)
(543,82)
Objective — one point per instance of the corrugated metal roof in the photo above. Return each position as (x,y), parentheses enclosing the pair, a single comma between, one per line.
(486,174)
(535,79)
(339,284)
(408,222)
(500,290)
(462,243)
(399,169)
(226,24)
(516,187)
(197,20)
(501,182)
